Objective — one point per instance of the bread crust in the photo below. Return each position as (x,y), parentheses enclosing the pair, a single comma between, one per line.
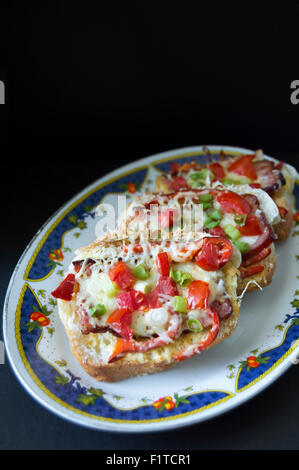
(283,228)
(86,348)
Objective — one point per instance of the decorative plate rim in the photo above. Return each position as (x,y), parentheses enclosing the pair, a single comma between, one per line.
(159,424)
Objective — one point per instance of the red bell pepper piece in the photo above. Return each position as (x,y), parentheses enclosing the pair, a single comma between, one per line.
(121,275)
(198,295)
(244,166)
(163,265)
(66,288)
(217,231)
(120,321)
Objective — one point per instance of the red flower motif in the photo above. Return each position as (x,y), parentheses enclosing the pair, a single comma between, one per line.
(40,318)
(252,362)
(164,403)
(132,188)
(56,255)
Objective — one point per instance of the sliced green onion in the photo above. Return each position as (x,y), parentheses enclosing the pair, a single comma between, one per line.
(196,184)
(207,205)
(109,287)
(215,215)
(180,304)
(232,232)
(194,325)
(206,198)
(98,310)
(195,176)
(140,272)
(211,223)
(228,181)
(240,219)
(181,277)
(243,246)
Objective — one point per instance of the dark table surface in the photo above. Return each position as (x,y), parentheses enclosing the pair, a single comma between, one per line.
(268,421)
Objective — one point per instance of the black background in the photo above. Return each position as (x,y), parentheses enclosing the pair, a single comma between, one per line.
(90,87)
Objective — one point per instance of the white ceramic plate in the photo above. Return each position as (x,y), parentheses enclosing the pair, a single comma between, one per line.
(217,380)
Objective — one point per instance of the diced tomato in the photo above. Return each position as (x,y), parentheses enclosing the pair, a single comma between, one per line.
(152,299)
(217,231)
(167,217)
(137,248)
(244,166)
(198,295)
(132,300)
(166,286)
(179,183)
(163,265)
(251,226)
(121,275)
(120,321)
(251,270)
(232,202)
(282,211)
(217,170)
(214,253)
(66,288)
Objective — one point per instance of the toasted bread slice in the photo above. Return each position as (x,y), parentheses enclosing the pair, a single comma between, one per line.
(94,349)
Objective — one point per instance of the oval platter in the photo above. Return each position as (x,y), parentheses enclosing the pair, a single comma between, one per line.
(264,345)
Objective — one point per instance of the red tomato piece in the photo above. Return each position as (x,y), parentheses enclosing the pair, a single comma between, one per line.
(255,185)
(198,295)
(166,286)
(132,300)
(251,226)
(163,265)
(233,202)
(244,166)
(214,253)
(282,211)
(66,288)
(217,170)
(120,321)
(179,183)
(121,275)
(167,217)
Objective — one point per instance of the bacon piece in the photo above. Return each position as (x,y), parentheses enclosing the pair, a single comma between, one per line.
(251,270)
(256,258)
(193,349)
(271,179)
(264,240)
(223,308)
(122,347)
(88,263)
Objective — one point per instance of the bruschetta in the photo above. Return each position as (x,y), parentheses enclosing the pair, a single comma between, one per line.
(274,177)
(137,308)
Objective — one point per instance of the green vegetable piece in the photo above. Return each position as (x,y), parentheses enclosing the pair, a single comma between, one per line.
(180,304)
(194,325)
(240,219)
(211,223)
(98,310)
(243,246)
(140,272)
(206,198)
(181,277)
(232,232)
(215,215)
(196,184)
